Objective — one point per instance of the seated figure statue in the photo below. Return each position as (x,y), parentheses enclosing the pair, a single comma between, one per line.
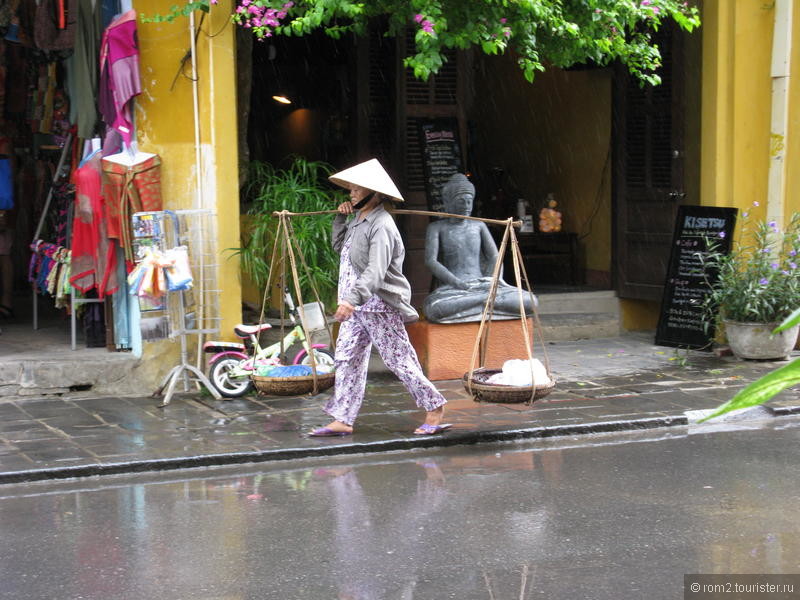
(461,255)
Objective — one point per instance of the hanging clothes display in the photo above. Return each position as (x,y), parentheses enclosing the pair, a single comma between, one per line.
(119,74)
(69,74)
(93,253)
(82,68)
(128,189)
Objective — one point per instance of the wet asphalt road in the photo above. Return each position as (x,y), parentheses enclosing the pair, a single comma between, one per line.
(597,516)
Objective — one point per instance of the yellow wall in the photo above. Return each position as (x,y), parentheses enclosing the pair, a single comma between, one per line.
(552,136)
(736,106)
(165,125)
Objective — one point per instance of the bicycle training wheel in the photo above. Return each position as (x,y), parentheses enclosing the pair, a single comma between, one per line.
(323,358)
(219,373)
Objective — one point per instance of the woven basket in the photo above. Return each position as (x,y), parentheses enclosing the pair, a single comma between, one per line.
(292,386)
(507,394)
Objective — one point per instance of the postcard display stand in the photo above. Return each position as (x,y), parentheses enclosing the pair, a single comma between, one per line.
(181,313)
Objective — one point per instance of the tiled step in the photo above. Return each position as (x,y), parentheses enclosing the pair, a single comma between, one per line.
(601,301)
(579,326)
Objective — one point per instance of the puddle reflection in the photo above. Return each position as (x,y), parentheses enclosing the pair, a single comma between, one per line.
(453,523)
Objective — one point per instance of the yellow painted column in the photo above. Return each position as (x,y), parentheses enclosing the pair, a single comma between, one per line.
(165,120)
(217,63)
(735,130)
(792,156)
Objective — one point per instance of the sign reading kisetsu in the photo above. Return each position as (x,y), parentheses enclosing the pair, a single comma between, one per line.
(441,157)
(681,322)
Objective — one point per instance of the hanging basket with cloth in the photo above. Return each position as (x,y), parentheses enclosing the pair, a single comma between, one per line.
(487,384)
(293,380)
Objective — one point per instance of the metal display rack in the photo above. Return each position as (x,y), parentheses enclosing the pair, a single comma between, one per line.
(189,312)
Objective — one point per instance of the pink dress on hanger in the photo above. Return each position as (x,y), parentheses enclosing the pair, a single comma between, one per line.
(119,74)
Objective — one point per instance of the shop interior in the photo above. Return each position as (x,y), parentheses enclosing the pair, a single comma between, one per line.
(63,254)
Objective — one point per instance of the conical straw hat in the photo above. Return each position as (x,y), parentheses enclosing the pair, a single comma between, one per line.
(370,175)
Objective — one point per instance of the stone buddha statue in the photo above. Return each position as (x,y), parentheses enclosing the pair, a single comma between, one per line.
(461,254)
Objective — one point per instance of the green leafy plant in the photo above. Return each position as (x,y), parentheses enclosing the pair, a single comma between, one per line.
(768,386)
(759,280)
(301,187)
(539,32)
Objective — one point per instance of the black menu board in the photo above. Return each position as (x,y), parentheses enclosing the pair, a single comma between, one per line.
(680,323)
(441,157)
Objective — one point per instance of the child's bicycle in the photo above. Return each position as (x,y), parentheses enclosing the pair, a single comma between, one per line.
(231,365)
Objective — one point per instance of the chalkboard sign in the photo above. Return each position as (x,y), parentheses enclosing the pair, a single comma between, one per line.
(441,157)
(680,323)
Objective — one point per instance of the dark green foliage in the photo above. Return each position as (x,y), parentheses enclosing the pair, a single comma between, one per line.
(301,187)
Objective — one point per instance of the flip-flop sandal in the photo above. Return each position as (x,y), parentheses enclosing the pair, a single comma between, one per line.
(426,429)
(327,432)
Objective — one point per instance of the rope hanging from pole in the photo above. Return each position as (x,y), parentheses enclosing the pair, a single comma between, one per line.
(481,341)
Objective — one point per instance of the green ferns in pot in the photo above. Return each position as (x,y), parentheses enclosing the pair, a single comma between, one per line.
(301,187)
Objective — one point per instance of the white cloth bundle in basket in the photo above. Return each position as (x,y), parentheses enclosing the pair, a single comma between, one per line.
(517,372)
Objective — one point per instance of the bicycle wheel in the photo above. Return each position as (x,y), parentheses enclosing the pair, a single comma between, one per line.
(322,356)
(219,373)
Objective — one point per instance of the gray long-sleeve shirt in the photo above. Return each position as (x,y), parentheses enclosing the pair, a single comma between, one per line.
(377,254)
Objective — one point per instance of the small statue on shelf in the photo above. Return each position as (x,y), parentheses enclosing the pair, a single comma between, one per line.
(549,217)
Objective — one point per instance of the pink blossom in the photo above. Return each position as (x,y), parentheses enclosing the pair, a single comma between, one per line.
(288,5)
(755,203)
(656,10)
(427,26)
(598,10)
(418,18)
(504,20)
(646,2)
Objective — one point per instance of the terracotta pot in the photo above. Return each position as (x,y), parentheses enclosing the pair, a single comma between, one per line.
(755,340)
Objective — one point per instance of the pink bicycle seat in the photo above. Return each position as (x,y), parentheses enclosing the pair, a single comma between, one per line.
(245,331)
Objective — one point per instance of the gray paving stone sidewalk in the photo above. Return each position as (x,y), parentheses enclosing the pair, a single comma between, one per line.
(603,385)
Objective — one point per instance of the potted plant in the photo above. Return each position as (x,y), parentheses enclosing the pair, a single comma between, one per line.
(757,287)
(768,386)
(301,187)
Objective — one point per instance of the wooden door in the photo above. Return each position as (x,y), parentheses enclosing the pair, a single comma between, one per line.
(392,104)
(648,172)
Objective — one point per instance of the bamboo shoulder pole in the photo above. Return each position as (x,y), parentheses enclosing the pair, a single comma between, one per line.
(402,211)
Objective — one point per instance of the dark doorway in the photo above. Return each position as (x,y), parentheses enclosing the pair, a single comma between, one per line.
(313,74)
(648,132)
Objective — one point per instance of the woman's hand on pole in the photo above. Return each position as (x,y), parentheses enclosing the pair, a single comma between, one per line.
(344,311)
(345,208)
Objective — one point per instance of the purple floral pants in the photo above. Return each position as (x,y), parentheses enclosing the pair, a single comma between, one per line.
(353,346)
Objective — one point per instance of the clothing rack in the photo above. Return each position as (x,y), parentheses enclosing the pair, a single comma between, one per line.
(194,311)
(74,300)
